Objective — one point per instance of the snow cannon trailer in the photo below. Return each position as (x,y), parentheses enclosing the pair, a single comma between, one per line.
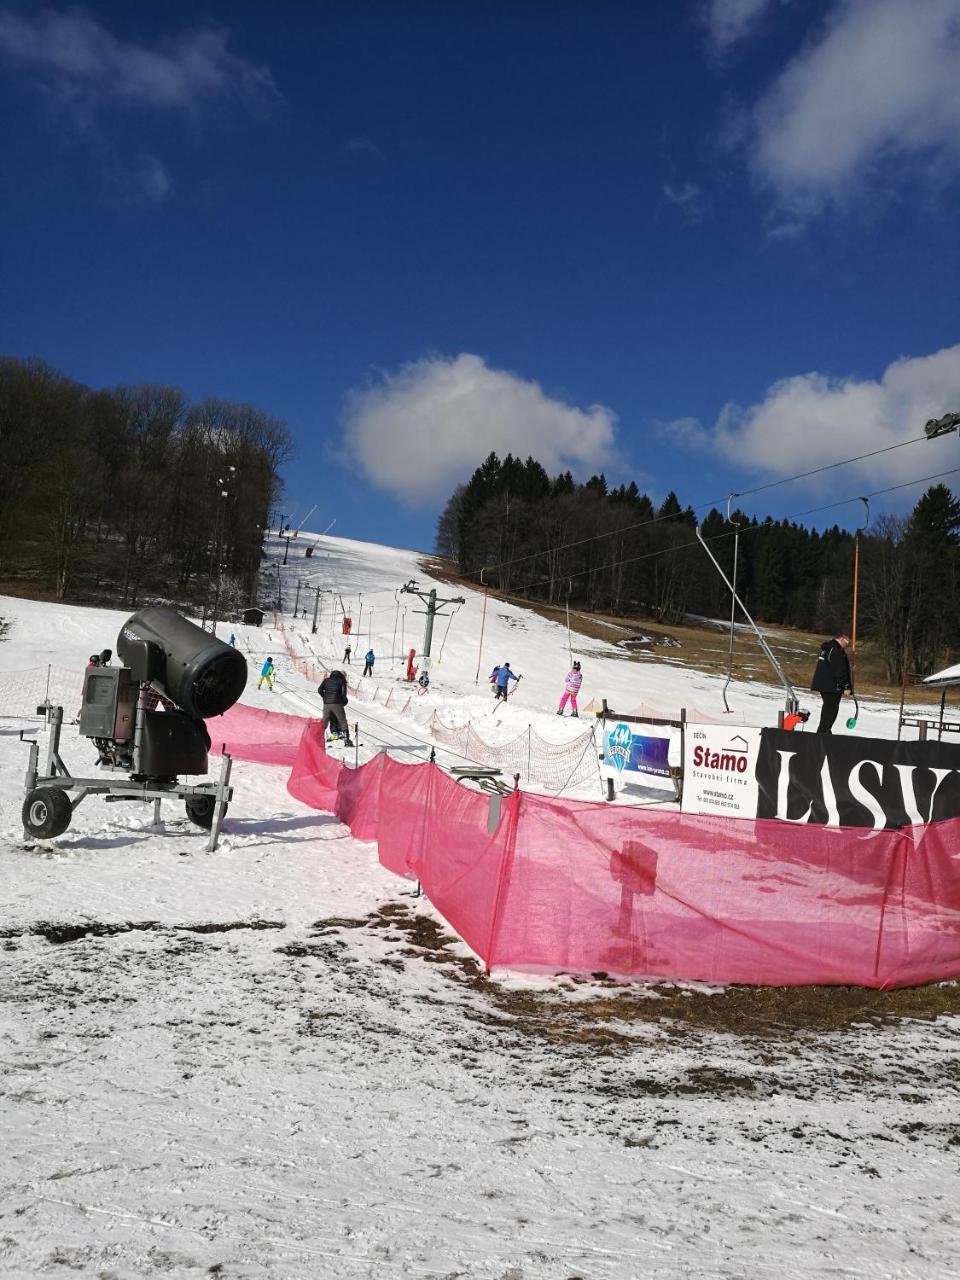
(146,719)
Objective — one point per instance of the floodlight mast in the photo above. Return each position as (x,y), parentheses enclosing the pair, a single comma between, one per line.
(793,703)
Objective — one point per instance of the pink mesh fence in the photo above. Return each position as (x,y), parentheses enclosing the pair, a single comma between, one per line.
(249,733)
(537,882)
(726,900)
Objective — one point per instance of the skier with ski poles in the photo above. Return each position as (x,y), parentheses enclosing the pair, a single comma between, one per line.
(504,676)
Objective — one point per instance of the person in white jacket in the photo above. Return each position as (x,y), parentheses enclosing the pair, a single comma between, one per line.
(571,687)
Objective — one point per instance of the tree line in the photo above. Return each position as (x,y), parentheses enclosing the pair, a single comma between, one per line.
(132,493)
(537,536)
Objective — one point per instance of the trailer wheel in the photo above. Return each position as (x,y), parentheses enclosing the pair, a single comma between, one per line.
(46,812)
(200,809)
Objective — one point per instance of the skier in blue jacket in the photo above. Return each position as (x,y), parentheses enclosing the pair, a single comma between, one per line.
(504,676)
(368,660)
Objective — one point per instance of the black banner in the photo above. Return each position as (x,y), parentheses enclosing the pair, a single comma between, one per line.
(856,782)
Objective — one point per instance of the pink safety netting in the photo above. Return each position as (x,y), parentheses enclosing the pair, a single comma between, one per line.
(534,882)
(250,733)
(728,900)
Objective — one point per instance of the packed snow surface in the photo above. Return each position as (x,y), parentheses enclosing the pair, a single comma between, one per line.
(273,1060)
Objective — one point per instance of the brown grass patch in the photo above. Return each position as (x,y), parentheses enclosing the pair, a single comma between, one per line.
(768,1013)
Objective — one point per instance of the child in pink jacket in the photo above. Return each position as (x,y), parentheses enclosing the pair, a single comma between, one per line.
(571,687)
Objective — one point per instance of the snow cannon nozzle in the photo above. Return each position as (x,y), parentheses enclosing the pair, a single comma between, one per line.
(197,672)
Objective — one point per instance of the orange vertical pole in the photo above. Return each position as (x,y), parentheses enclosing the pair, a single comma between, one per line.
(856,583)
(483,619)
(856,586)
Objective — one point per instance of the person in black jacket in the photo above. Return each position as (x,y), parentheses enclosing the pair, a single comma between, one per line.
(832,679)
(333,691)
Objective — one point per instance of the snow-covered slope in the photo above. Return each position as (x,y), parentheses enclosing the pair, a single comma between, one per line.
(272,1061)
(365,579)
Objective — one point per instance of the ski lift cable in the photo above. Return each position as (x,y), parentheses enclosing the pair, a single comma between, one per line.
(705,506)
(719,537)
(877,493)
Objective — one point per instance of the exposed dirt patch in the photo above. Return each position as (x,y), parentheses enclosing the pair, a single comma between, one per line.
(701,1080)
(59,933)
(647,640)
(603,1022)
(338,922)
(229,926)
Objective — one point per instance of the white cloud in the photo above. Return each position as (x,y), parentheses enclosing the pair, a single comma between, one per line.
(731,21)
(811,420)
(362,149)
(876,95)
(685,433)
(80,64)
(688,198)
(419,432)
(145,182)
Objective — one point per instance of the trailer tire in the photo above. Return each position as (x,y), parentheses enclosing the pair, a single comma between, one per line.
(200,810)
(46,812)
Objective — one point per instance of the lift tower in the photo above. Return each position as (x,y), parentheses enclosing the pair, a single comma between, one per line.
(433,609)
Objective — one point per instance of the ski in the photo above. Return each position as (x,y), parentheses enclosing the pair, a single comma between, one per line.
(507,694)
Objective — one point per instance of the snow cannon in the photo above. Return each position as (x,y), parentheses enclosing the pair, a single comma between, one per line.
(197,672)
(146,719)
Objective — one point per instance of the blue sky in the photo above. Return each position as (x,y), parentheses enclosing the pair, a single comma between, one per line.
(699,243)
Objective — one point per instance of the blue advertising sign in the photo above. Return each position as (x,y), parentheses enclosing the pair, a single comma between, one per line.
(631,752)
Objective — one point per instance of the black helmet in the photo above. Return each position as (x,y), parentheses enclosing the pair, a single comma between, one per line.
(94,660)
(576,666)
(105,656)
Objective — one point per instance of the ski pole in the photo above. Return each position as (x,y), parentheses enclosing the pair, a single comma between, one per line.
(852,721)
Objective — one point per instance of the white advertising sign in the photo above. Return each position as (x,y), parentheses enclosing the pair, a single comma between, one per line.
(720,770)
(639,754)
